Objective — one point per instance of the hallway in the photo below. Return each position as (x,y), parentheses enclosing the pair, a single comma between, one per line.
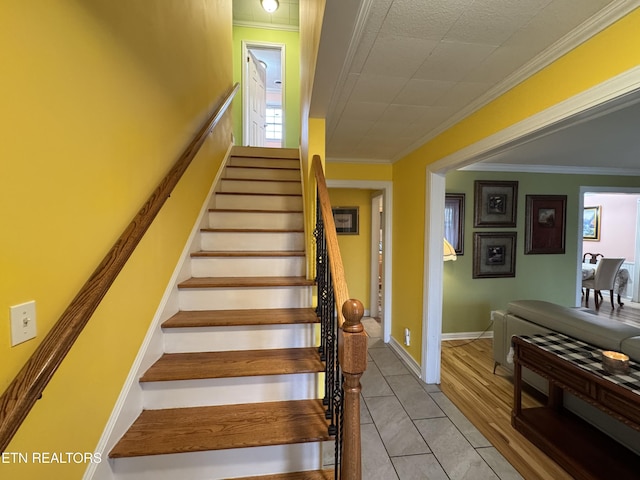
(412,431)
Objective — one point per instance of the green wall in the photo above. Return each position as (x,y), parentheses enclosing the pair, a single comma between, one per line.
(291,41)
(467,302)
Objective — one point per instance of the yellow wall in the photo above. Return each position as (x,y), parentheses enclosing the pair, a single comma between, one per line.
(613,51)
(103,98)
(359,171)
(356,249)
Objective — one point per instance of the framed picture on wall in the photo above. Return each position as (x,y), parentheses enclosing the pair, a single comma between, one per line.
(346,220)
(591,223)
(454,221)
(545,224)
(495,203)
(494,254)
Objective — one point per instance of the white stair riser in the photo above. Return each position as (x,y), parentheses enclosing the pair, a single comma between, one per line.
(264,162)
(280,220)
(252,241)
(259,202)
(249,186)
(220,464)
(215,339)
(262,173)
(229,391)
(248,266)
(243,298)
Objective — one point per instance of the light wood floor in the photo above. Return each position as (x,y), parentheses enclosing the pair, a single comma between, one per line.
(486,399)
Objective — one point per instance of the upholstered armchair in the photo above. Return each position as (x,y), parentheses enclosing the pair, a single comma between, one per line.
(603,279)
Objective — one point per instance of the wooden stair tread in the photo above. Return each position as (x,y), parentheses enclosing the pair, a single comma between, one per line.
(266,152)
(179,430)
(255,210)
(309,475)
(228,318)
(238,363)
(268,180)
(224,282)
(261,194)
(254,230)
(266,167)
(245,253)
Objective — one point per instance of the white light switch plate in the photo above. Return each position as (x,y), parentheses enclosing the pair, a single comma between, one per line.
(23,322)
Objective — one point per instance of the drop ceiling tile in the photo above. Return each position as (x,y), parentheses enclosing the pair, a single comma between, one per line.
(556,20)
(378,11)
(363,111)
(376,88)
(462,94)
(397,55)
(420,19)
(385,130)
(352,128)
(403,113)
(493,22)
(422,92)
(504,61)
(362,52)
(452,61)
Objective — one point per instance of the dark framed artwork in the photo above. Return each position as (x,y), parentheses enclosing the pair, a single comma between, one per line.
(545,224)
(496,203)
(346,220)
(494,254)
(591,223)
(454,221)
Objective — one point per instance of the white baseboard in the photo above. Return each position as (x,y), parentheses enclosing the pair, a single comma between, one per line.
(466,335)
(407,359)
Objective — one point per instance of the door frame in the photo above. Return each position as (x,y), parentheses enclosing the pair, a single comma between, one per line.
(387,191)
(246,46)
(616,91)
(377,224)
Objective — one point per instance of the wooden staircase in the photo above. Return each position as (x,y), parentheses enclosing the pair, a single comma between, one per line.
(236,392)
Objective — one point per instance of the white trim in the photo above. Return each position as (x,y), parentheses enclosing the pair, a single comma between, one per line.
(375,249)
(466,335)
(407,359)
(551,169)
(246,46)
(432,281)
(387,187)
(616,89)
(578,108)
(129,402)
(592,26)
(266,26)
(354,43)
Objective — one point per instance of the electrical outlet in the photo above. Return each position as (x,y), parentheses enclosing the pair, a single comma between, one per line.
(407,337)
(23,322)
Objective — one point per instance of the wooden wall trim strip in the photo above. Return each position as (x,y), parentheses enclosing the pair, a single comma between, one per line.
(27,387)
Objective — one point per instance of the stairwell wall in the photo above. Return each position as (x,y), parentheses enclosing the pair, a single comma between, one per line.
(103,97)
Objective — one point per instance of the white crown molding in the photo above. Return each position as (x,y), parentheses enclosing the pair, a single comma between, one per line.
(358,30)
(551,169)
(580,107)
(592,26)
(266,26)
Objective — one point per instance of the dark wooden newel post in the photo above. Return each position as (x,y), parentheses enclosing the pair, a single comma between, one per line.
(352,351)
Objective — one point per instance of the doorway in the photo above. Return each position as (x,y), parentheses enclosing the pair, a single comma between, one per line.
(377,256)
(263,94)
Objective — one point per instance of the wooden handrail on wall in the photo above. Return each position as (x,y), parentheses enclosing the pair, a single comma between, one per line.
(27,387)
(352,340)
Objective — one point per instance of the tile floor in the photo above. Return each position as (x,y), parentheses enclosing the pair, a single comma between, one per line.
(411,431)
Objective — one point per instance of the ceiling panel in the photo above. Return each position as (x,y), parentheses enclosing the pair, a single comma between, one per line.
(430,62)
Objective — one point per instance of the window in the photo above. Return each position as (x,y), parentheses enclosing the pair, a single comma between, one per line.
(274,123)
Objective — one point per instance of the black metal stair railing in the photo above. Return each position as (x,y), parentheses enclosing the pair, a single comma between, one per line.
(328,349)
